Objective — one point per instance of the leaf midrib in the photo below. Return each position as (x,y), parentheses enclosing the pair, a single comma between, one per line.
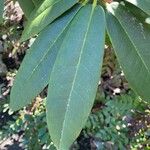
(50,6)
(141,6)
(46,53)
(136,49)
(75,75)
(41,12)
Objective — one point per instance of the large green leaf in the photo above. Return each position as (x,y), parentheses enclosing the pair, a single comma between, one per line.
(35,70)
(27,7)
(142,4)
(1,10)
(47,12)
(130,40)
(75,76)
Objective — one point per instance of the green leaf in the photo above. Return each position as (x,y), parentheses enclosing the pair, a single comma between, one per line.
(75,76)
(142,4)
(47,12)
(37,2)
(1,10)
(35,70)
(130,40)
(27,7)
(137,12)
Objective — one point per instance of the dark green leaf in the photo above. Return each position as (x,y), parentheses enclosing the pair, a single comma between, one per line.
(142,4)
(130,40)
(35,70)
(37,2)
(47,12)
(1,10)
(74,79)
(27,7)
(137,12)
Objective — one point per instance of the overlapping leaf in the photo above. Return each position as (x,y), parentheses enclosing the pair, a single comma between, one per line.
(27,7)
(47,12)
(137,12)
(142,4)
(130,39)
(37,2)
(75,76)
(1,10)
(35,70)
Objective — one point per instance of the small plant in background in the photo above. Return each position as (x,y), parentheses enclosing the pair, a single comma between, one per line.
(31,125)
(112,126)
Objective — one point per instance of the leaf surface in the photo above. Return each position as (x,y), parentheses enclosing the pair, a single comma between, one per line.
(36,68)
(142,4)
(1,10)
(27,7)
(130,40)
(37,2)
(47,12)
(75,76)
